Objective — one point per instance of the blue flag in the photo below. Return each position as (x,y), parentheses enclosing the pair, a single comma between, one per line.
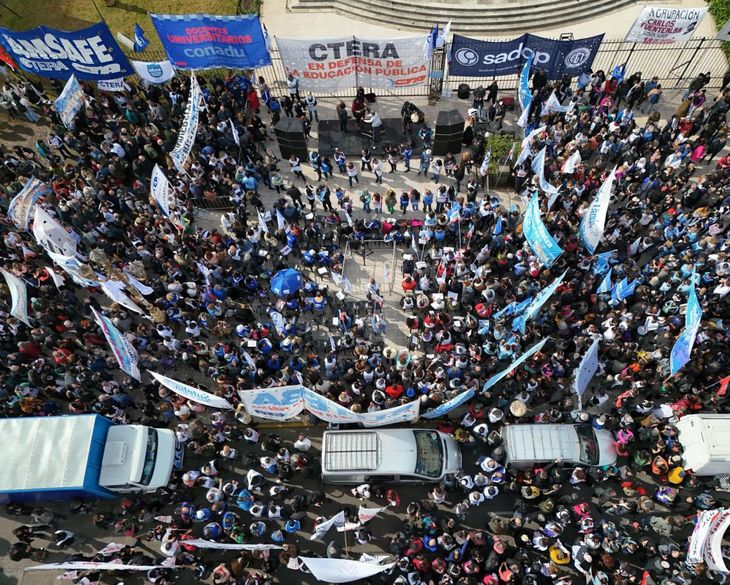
(513,308)
(618,72)
(623,290)
(140,42)
(534,307)
(692,318)
(430,44)
(515,364)
(605,286)
(497,226)
(602,264)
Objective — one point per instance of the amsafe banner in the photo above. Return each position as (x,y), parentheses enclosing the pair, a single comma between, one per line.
(89,53)
(476,58)
(354,62)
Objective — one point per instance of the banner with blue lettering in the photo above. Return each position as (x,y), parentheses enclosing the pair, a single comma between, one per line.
(534,307)
(587,369)
(70,102)
(594,218)
(450,405)
(476,58)
(288,401)
(515,364)
(89,53)
(692,318)
(537,236)
(203,41)
(192,393)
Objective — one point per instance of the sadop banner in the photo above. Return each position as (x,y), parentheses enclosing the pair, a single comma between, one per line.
(89,53)
(514,365)
(126,355)
(186,138)
(662,26)
(70,102)
(476,58)
(192,393)
(18,296)
(202,41)
(154,71)
(594,219)
(21,205)
(537,236)
(686,340)
(587,369)
(353,62)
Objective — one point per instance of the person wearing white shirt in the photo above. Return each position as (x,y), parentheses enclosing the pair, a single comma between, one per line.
(302,443)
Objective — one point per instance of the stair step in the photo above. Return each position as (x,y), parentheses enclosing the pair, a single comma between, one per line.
(403,15)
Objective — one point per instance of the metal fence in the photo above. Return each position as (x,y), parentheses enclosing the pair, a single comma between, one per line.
(675,65)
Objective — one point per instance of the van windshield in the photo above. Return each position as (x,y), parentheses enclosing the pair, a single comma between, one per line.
(588,445)
(149,457)
(430,453)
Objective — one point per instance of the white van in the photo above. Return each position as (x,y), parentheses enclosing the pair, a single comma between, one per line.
(396,455)
(705,439)
(526,445)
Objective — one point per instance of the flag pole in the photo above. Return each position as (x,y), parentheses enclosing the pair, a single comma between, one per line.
(347,554)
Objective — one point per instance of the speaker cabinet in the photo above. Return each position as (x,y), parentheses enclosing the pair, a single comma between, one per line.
(290,136)
(449,132)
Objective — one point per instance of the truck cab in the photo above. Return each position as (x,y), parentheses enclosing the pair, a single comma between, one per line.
(137,458)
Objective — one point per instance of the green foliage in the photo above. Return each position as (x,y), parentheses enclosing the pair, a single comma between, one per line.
(500,146)
(720,10)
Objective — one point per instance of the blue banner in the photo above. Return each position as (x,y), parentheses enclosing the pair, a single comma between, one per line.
(605,285)
(202,41)
(475,58)
(537,236)
(89,53)
(534,307)
(449,405)
(686,340)
(515,364)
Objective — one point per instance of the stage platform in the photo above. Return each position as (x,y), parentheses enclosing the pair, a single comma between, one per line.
(354,140)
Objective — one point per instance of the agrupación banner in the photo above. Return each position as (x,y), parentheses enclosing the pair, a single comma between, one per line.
(89,53)
(354,62)
(658,25)
(202,41)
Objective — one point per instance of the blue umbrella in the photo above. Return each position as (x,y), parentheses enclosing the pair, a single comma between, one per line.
(286,282)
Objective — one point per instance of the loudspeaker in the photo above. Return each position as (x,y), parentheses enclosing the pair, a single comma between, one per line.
(449,131)
(290,136)
(463,91)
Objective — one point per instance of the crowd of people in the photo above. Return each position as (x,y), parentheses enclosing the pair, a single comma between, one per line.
(211,318)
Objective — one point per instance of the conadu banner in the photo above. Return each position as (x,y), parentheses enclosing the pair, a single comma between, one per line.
(354,62)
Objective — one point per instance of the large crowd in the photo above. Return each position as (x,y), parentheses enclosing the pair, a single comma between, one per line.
(206,297)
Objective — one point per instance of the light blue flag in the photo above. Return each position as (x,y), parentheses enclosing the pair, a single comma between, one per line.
(538,167)
(692,318)
(513,308)
(605,286)
(430,43)
(524,93)
(450,405)
(140,41)
(515,364)
(534,307)
(602,264)
(623,290)
(536,234)
(497,226)
(594,218)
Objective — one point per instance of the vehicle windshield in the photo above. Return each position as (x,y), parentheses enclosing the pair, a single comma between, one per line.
(588,445)
(150,456)
(430,453)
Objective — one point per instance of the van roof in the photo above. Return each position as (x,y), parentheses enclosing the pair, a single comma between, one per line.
(542,442)
(714,432)
(351,451)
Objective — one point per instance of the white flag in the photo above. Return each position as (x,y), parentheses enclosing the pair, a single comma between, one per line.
(192,393)
(570,164)
(18,295)
(367,514)
(234,131)
(322,529)
(262,224)
(280,221)
(441,38)
(348,217)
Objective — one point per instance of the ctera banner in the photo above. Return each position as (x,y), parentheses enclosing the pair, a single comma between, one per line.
(663,26)
(203,41)
(89,53)
(355,62)
(476,58)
